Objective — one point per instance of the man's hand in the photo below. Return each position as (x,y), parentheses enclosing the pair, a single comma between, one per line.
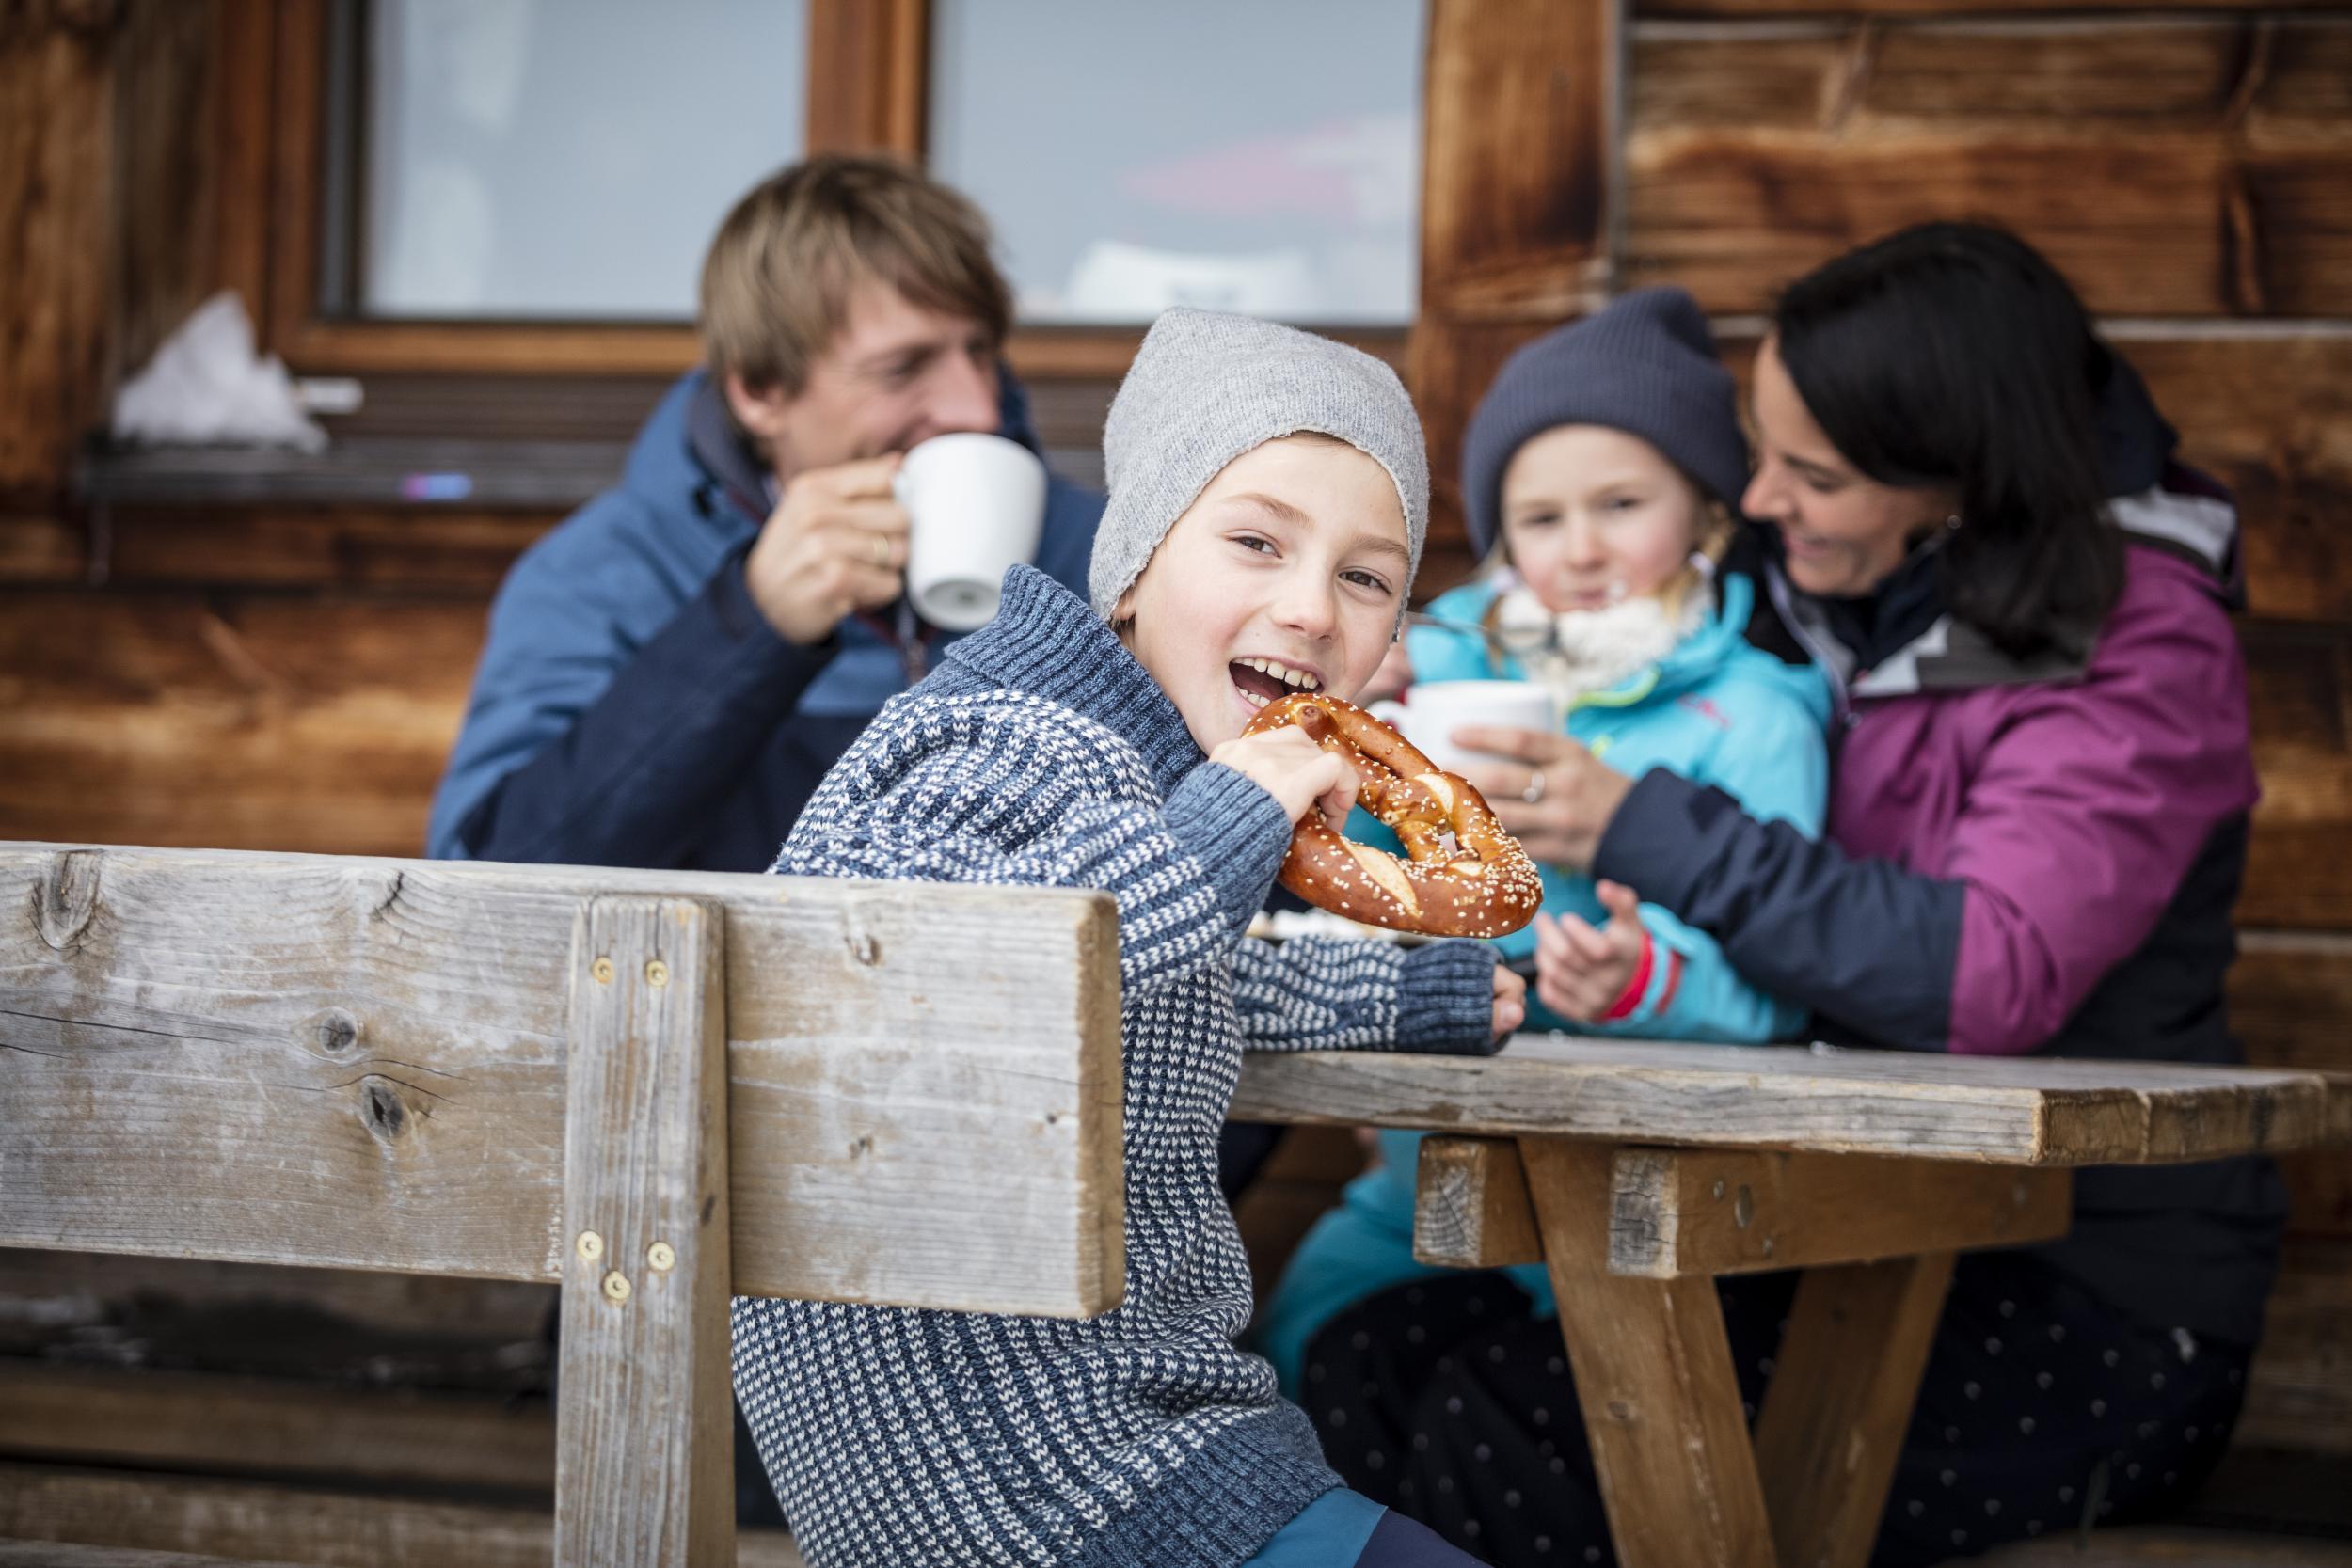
(837,544)
(1580,972)
(1299,774)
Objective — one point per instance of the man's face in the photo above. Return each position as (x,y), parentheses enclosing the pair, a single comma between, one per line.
(896,374)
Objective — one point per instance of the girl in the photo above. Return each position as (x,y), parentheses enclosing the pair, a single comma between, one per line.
(1604,460)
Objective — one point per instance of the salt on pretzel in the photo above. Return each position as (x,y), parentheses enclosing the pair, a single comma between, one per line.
(1481,885)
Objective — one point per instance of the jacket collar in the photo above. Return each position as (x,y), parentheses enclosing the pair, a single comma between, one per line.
(1047,642)
(1905,642)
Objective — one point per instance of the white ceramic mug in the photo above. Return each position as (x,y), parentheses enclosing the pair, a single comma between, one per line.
(1433,711)
(976,506)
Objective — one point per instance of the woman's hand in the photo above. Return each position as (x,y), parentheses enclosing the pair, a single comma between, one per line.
(1549,793)
(1581,971)
(1510,1002)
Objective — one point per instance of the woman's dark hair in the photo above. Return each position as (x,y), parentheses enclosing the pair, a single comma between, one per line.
(1952,355)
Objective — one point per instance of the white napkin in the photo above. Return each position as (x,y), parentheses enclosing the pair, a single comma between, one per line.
(205,386)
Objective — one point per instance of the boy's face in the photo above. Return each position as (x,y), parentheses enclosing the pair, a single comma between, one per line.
(1294,557)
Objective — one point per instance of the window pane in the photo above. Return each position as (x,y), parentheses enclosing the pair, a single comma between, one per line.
(567,158)
(1257,155)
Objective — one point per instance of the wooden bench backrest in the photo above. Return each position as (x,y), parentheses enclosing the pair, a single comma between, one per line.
(652,1088)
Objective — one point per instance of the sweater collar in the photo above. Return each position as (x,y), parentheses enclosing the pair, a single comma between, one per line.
(1046,641)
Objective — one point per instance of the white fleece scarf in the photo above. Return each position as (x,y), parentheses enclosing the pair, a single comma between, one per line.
(1586,651)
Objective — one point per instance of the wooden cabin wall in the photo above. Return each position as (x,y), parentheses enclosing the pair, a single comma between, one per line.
(2190,170)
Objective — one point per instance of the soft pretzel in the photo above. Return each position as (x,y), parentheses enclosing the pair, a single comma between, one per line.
(1481,885)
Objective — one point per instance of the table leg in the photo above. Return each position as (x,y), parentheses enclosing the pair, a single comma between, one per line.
(1840,1402)
(1654,1375)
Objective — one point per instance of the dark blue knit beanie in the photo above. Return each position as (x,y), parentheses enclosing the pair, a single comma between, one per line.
(1644,365)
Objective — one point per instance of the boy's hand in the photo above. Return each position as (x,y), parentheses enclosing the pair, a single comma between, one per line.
(1299,774)
(1510,1002)
(1581,971)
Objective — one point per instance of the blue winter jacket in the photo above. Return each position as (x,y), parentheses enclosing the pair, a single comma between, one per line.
(1715,708)
(632,706)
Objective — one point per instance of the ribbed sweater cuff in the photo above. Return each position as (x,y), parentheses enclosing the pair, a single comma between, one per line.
(1445,999)
(1235,829)
(1225,1503)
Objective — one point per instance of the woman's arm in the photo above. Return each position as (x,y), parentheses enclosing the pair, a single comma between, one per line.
(2082,818)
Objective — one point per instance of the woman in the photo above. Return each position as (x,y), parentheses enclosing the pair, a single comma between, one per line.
(2037,828)
(1600,472)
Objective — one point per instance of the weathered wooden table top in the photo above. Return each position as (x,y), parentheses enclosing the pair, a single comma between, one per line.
(2020,1111)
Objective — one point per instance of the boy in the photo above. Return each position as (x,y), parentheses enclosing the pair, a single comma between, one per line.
(1270,496)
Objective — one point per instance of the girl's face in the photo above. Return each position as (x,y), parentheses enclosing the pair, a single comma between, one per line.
(1845,532)
(1593,515)
(1286,575)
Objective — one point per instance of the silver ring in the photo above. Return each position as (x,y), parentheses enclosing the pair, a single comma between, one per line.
(1535,790)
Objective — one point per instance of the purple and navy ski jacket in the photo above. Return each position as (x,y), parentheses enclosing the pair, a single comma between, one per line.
(2022,858)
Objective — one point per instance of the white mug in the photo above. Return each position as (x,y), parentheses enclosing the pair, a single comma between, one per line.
(1433,711)
(976,506)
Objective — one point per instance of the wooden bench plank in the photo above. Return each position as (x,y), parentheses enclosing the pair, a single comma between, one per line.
(2169,1547)
(360,1063)
(1999,1110)
(645,1460)
(62,1553)
(326,1529)
(212,1424)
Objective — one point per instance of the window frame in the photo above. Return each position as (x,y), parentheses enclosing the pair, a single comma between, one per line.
(868,77)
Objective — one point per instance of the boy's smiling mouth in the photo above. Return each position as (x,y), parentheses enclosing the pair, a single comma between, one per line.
(1261,681)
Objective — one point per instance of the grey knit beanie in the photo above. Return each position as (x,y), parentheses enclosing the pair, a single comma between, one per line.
(1206,388)
(1647,365)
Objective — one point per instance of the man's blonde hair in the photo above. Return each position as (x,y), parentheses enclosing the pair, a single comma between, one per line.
(777,283)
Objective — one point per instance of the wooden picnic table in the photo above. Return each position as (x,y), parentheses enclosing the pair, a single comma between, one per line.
(1638,1172)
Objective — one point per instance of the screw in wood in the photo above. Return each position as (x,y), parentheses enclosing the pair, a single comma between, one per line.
(603,969)
(657,973)
(616,1286)
(589,1246)
(1719,1191)
(660,1257)
(1742,1206)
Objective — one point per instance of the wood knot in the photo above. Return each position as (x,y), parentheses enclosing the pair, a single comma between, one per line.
(338,1032)
(67,898)
(381,1111)
(865,949)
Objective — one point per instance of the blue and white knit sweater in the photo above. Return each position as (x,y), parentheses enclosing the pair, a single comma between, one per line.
(1041,753)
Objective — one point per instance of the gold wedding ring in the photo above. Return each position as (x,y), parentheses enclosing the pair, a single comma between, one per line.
(882,551)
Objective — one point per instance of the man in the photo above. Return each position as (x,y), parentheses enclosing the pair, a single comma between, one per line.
(671,671)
